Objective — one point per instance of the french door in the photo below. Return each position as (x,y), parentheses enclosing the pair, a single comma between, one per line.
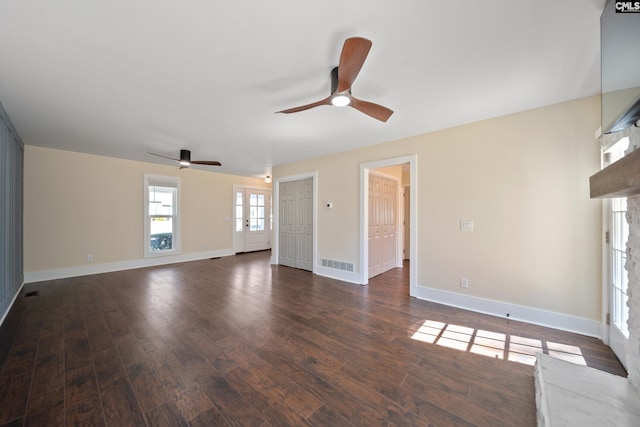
(252,219)
(617,277)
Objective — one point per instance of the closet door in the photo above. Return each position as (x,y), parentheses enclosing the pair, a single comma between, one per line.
(389,224)
(296,224)
(375,226)
(287,225)
(304,224)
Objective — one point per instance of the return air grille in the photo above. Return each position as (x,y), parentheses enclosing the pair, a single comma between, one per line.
(338,265)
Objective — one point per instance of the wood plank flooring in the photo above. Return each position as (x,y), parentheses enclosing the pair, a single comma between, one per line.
(237,342)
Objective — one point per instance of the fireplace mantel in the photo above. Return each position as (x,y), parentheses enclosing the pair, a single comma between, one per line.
(619,179)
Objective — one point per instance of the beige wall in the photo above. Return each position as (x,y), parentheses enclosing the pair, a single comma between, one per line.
(78,204)
(522,179)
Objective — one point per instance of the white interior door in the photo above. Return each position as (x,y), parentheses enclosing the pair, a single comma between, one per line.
(383,227)
(618,280)
(389,224)
(296,224)
(375,226)
(252,219)
(287,246)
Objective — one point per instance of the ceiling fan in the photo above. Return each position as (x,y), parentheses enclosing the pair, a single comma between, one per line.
(185,159)
(354,53)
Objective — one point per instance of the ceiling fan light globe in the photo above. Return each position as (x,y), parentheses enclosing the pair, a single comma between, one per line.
(340,100)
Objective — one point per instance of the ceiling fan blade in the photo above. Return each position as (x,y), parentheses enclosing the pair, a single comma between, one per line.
(206,162)
(165,157)
(354,52)
(369,108)
(326,101)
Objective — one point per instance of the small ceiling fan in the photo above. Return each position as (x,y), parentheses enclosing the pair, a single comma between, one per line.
(354,53)
(185,159)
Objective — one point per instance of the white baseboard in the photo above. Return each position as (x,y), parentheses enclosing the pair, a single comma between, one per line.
(85,270)
(4,315)
(333,273)
(536,316)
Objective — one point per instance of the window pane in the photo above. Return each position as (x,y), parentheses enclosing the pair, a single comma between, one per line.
(161,200)
(238,212)
(239,198)
(261,200)
(253,200)
(261,212)
(239,224)
(161,234)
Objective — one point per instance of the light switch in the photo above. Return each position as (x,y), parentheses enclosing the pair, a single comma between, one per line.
(466,225)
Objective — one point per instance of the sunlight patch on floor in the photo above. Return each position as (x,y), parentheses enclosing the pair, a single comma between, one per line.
(497,345)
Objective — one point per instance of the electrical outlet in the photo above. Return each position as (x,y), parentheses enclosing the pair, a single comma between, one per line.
(89,258)
(466,225)
(464,282)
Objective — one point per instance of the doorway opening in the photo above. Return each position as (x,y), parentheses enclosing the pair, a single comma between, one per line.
(409,166)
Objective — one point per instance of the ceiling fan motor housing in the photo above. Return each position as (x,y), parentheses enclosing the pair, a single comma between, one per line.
(185,156)
(334,80)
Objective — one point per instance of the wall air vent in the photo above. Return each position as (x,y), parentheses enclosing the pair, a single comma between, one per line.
(338,265)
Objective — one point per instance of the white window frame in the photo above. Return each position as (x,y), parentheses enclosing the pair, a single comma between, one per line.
(169,181)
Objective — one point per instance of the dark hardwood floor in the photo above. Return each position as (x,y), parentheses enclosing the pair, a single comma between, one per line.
(236,341)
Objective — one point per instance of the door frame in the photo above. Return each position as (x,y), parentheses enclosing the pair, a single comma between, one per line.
(606,305)
(275,240)
(413,212)
(237,187)
(405,236)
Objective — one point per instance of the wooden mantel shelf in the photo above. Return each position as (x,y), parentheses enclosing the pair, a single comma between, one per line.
(619,179)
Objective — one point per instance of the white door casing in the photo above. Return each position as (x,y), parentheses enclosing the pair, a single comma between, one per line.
(406,222)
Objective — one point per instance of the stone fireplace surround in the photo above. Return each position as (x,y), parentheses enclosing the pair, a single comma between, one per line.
(572,395)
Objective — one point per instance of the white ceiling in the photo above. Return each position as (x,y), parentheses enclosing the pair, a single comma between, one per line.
(121,78)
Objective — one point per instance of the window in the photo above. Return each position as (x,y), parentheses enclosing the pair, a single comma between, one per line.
(239,210)
(161,215)
(256,212)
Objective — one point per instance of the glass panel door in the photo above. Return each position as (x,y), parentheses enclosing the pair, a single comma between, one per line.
(252,226)
(618,234)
